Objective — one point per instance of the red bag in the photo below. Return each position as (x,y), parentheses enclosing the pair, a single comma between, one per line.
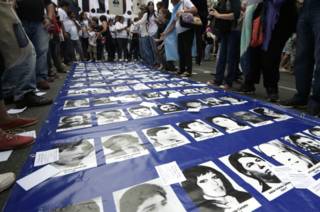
(257,36)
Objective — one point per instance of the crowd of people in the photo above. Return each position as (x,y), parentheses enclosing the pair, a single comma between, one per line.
(250,37)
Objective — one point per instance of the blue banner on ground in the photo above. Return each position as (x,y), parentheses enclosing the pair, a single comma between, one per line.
(114,123)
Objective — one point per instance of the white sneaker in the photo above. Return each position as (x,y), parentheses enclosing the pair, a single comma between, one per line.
(6,180)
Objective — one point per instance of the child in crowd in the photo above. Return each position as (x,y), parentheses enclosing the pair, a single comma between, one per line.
(134,40)
(92,49)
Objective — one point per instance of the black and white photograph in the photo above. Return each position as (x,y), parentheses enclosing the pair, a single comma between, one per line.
(171,94)
(98,90)
(315,131)
(98,84)
(174,85)
(193,105)
(129,98)
(169,107)
(139,87)
(152,95)
(289,157)
(165,137)
(95,78)
(94,205)
(78,92)
(133,81)
(157,85)
(75,156)
(117,82)
(305,142)
(213,102)
(199,130)
(207,90)
(252,118)
(122,147)
(257,172)
(78,85)
(210,189)
(73,122)
(76,103)
(121,88)
(79,79)
(103,101)
(191,91)
(138,112)
(232,100)
(110,116)
(227,123)
(150,196)
(274,115)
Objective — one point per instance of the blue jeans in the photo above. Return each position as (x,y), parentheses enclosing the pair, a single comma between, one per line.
(207,51)
(307,63)
(40,40)
(20,79)
(229,53)
(146,50)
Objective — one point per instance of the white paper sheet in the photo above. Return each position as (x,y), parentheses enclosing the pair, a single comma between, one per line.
(282,172)
(200,85)
(29,133)
(170,173)
(194,110)
(45,157)
(148,104)
(16,111)
(4,156)
(41,93)
(315,188)
(301,180)
(37,177)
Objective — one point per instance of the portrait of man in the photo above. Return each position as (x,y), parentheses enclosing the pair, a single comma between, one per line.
(315,131)
(122,147)
(212,190)
(206,90)
(169,108)
(227,123)
(103,101)
(76,103)
(75,156)
(149,196)
(193,104)
(98,90)
(252,118)
(257,172)
(121,88)
(152,95)
(110,116)
(165,137)
(138,112)
(213,102)
(157,85)
(73,122)
(232,100)
(287,156)
(306,143)
(199,130)
(174,85)
(97,84)
(94,205)
(274,115)
(171,94)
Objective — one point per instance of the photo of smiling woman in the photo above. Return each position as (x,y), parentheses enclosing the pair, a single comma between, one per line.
(211,190)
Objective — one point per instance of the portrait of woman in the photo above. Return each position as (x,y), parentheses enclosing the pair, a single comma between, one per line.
(227,123)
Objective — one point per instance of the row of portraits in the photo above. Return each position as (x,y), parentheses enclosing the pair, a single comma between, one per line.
(237,121)
(208,187)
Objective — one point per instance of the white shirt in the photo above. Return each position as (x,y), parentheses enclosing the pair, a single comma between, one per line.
(186,4)
(143,25)
(120,31)
(92,39)
(71,28)
(62,15)
(113,31)
(152,26)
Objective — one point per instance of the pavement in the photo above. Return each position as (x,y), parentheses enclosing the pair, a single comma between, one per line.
(202,73)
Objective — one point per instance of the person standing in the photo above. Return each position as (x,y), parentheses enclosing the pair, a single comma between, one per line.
(307,62)
(36,24)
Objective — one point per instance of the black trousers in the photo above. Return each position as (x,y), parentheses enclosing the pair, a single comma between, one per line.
(111,48)
(267,62)
(185,40)
(134,48)
(122,48)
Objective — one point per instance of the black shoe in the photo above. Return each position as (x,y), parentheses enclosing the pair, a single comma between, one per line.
(8,100)
(246,89)
(313,107)
(32,100)
(294,102)
(180,72)
(273,94)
